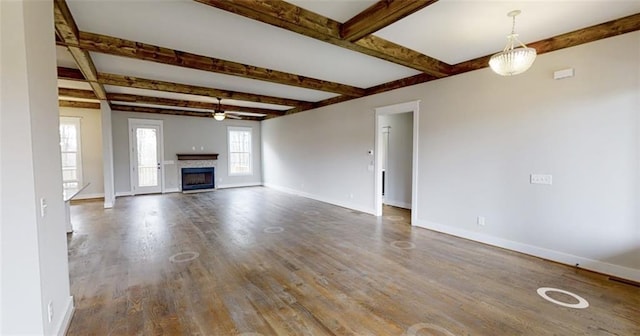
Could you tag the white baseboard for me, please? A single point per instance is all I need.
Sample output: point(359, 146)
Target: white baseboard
point(321, 198)
point(66, 320)
point(557, 256)
point(171, 190)
point(82, 196)
point(124, 193)
point(398, 204)
point(239, 185)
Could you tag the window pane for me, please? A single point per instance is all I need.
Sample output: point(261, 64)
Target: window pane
point(241, 163)
point(240, 151)
point(147, 157)
point(68, 138)
point(69, 160)
point(147, 176)
point(69, 175)
point(70, 185)
point(147, 153)
point(70, 151)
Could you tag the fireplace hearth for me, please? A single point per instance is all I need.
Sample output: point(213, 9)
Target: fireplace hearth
point(198, 178)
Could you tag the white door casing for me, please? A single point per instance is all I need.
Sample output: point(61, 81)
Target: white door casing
point(146, 150)
point(414, 108)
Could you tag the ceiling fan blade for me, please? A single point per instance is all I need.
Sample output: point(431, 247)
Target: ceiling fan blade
point(231, 116)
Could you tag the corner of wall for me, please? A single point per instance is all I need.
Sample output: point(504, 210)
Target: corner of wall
point(63, 326)
point(368, 210)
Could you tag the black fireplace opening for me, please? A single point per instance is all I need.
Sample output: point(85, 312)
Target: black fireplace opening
point(198, 178)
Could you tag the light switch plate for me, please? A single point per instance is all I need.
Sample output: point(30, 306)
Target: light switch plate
point(50, 311)
point(43, 207)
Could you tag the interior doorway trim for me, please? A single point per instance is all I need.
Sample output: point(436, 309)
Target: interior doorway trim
point(414, 108)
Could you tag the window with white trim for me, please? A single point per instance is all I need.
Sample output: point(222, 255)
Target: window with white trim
point(70, 147)
point(239, 140)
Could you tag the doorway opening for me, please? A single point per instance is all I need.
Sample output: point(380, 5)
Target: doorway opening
point(396, 159)
point(146, 156)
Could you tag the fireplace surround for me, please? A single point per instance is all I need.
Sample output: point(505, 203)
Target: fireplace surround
point(200, 171)
point(198, 178)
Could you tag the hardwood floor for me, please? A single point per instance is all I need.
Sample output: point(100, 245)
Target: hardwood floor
point(255, 261)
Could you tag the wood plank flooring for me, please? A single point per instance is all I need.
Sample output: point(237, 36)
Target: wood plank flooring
point(255, 261)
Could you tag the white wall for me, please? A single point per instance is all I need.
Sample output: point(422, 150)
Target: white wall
point(322, 154)
point(91, 140)
point(480, 136)
point(400, 152)
point(34, 247)
point(181, 134)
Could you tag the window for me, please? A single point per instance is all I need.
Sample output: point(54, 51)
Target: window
point(240, 151)
point(71, 152)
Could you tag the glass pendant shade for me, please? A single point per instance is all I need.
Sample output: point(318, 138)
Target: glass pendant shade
point(218, 115)
point(511, 60)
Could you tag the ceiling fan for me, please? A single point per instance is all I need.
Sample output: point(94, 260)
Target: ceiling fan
point(219, 114)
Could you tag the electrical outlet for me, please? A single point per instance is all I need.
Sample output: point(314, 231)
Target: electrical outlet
point(50, 311)
point(541, 179)
point(481, 220)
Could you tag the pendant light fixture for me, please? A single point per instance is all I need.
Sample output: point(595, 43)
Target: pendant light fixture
point(516, 57)
point(218, 113)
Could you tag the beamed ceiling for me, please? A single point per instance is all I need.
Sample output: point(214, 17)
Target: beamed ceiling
point(267, 59)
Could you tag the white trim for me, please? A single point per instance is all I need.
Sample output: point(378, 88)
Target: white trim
point(557, 256)
point(63, 326)
point(124, 193)
point(171, 190)
point(320, 198)
point(239, 185)
point(133, 122)
point(414, 108)
point(240, 129)
point(82, 196)
point(398, 204)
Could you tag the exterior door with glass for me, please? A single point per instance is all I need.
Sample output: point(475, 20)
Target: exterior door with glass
point(146, 156)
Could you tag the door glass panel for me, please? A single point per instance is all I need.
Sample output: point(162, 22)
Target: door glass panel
point(147, 157)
